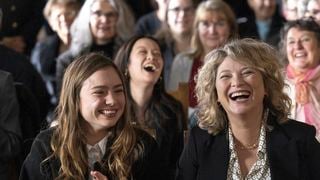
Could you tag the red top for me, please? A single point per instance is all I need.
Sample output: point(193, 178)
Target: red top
point(197, 64)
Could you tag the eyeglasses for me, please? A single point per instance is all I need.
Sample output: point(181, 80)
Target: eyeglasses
point(206, 24)
point(186, 10)
point(108, 15)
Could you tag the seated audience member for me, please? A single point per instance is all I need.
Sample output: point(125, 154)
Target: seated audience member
point(214, 25)
point(313, 10)
point(290, 9)
point(301, 48)
point(175, 33)
point(101, 26)
point(150, 23)
point(60, 15)
point(244, 131)
point(93, 138)
point(153, 110)
point(266, 23)
point(10, 132)
point(23, 72)
point(22, 20)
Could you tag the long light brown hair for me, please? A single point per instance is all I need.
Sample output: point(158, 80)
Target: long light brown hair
point(69, 139)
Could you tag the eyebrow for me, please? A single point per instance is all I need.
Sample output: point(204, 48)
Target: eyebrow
point(103, 87)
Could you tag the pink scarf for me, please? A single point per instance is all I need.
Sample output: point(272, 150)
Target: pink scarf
point(304, 90)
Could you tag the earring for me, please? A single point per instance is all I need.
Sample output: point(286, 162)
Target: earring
point(126, 73)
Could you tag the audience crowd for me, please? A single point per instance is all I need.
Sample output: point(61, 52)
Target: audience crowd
point(171, 74)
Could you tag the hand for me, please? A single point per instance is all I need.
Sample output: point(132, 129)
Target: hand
point(15, 42)
point(96, 175)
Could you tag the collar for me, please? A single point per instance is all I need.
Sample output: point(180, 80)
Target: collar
point(102, 144)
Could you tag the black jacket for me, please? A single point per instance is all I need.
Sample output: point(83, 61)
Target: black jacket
point(292, 150)
point(23, 71)
point(146, 167)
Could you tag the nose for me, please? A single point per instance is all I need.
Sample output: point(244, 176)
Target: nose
point(237, 81)
point(150, 56)
point(298, 45)
point(268, 3)
point(110, 99)
point(212, 28)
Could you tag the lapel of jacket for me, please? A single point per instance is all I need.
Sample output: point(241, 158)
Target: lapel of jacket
point(216, 159)
point(282, 152)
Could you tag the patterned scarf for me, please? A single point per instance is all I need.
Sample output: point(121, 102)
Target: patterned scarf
point(306, 93)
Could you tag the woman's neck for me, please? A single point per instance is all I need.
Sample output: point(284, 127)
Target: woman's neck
point(182, 43)
point(94, 136)
point(246, 128)
point(141, 95)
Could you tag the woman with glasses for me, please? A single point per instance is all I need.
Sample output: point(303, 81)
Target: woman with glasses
point(176, 31)
point(60, 14)
point(101, 26)
point(214, 25)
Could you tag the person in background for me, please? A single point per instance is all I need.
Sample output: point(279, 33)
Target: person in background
point(60, 14)
point(175, 33)
point(301, 50)
point(214, 25)
point(313, 10)
point(266, 23)
point(10, 130)
point(153, 110)
point(150, 23)
point(101, 26)
point(93, 138)
point(290, 9)
point(21, 23)
point(244, 131)
point(22, 71)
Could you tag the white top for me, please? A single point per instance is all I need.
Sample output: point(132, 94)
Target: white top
point(260, 169)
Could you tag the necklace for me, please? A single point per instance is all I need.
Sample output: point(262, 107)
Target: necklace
point(248, 146)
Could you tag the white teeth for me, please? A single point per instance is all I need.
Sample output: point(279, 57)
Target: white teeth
point(242, 93)
point(300, 55)
point(109, 112)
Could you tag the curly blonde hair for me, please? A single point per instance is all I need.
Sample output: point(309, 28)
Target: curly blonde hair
point(69, 140)
point(260, 56)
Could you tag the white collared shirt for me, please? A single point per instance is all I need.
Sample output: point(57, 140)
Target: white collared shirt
point(260, 169)
point(102, 145)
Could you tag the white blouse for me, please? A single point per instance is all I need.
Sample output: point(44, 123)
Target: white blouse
point(260, 169)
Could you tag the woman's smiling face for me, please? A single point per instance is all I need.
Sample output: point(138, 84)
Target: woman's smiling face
point(240, 88)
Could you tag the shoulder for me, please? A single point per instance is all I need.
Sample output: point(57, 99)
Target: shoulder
point(184, 56)
point(149, 18)
point(144, 138)
point(298, 130)
point(45, 136)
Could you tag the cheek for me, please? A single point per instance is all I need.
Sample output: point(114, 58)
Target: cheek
point(225, 32)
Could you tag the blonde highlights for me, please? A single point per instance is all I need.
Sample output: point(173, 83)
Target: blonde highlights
point(69, 140)
point(258, 55)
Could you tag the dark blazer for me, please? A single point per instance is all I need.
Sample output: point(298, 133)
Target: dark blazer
point(293, 153)
point(23, 71)
point(43, 58)
point(10, 132)
point(146, 167)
